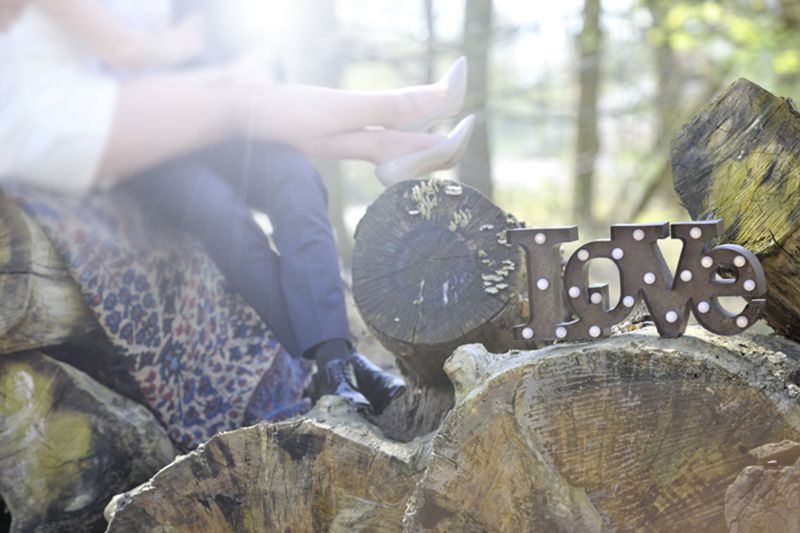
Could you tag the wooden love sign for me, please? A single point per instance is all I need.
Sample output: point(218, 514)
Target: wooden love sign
point(644, 274)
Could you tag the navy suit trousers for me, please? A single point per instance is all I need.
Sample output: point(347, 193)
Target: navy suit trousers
point(297, 291)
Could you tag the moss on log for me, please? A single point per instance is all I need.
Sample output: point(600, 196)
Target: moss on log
point(67, 445)
point(40, 304)
point(739, 160)
point(432, 270)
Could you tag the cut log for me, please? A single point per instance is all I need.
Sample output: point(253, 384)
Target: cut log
point(432, 270)
point(633, 433)
point(68, 444)
point(629, 433)
point(738, 160)
point(40, 304)
point(331, 472)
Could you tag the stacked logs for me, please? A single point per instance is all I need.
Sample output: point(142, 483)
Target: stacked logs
point(633, 432)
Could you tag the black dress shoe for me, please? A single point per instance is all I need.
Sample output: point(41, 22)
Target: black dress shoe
point(337, 378)
point(378, 386)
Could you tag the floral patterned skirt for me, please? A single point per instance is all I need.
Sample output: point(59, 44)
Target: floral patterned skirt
point(202, 358)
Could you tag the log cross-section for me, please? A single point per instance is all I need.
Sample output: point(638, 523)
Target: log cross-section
point(432, 269)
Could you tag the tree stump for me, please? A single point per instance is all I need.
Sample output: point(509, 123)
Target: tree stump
point(628, 433)
point(432, 270)
point(328, 472)
point(738, 160)
point(40, 304)
point(68, 444)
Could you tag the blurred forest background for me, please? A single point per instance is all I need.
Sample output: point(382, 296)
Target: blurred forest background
point(577, 100)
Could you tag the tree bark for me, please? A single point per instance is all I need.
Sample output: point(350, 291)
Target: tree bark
point(475, 168)
point(587, 146)
point(40, 304)
point(68, 444)
point(432, 270)
point(738, 160)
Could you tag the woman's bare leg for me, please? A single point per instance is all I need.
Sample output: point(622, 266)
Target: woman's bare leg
point(296, 113)
point(162, 117)
point(165, 116)
point(374, 145)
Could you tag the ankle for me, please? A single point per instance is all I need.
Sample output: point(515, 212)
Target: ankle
point(329, 350)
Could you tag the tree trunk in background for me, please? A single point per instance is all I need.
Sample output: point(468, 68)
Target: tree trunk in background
point(321, 61)
point(588, 144)
point(476, 166)
point(430, 51)
point(669, 115)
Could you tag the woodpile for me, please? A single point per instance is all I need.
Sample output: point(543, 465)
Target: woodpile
point(632, 432)
point(629, 433)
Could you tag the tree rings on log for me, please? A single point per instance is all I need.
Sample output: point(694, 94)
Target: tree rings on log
point(330, 472)
point(432, 269)
point(633, 433)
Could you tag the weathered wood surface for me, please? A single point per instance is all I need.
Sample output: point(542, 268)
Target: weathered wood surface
point(766, 496)
point(739, 160)
point(331, 471)
point(629, 433)
point(432, 270)
point(68, 444)
point(40, 304)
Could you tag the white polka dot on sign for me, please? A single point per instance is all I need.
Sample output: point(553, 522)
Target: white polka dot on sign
point(749, 285)
point(638, 235)
point(542, 284)
point(583, 255)
point(595, 331)
point(704, 307)
point(707, 262)
point(617, 253)
point(686, 275)
point(739, 261)
point(527, 333)
point(596, 298)
point(540, 238)
point(649, 278)
point(671, 316)
point(695, 233)
point(561, 332)
point(742, 321)
point(574, 292)
point(628, 301)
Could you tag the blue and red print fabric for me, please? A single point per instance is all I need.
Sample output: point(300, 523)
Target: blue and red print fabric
point(194, 347)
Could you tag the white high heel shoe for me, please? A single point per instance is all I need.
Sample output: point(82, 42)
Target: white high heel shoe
point(456, 81)
point(440, 156)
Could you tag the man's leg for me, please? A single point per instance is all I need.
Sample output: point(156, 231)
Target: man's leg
point(195, 198)
point(278, 180)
